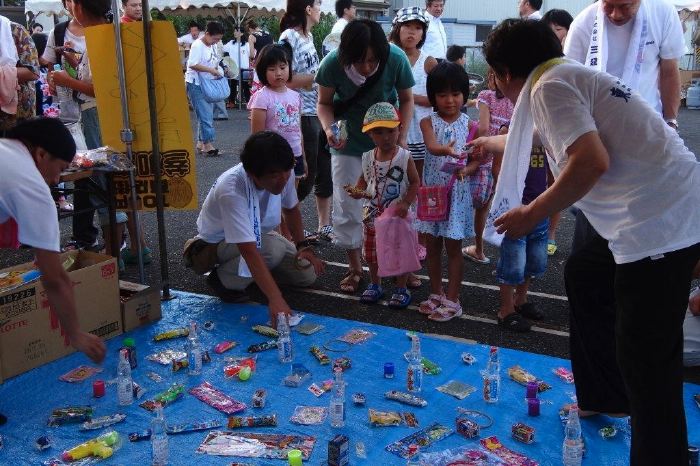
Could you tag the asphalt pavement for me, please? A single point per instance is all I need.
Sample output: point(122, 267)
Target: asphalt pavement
point(479, 295)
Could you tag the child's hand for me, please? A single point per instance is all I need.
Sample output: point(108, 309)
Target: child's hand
point(355, 192)
point(401, 209)
point(452, 151)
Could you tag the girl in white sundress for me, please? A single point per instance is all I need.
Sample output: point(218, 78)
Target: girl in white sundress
point(445, 133)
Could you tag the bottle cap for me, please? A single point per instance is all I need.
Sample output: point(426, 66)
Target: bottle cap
point(98, 388)
point(129, 342)
point(388, 369)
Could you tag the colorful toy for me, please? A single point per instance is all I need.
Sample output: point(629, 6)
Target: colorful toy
point(79, 374)
point(565, 374)
point(70, 415)
point(384, 418)
point(406, 398)
point(424, 437)
point(320, 355)
point(523, 433)
point(466, 427)
point(264, 346)
point(495, 447)
point(100, 446)
point(235, 422)
point(224, 346)
point(172, 394)
point(217, 399)
point(266, 331)
point(174, 333)
point(259, 398)
point(102, 421)
point(518, 374)
point(343, 363)
point(468, 358)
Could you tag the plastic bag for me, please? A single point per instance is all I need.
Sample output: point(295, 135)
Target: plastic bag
point(397, 244)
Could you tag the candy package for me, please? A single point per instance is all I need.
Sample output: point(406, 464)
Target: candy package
point(172, 394)
point(70, 415)
point(217, 399)
point(518, 374)
point(457, 389)
point(256, 445)
point(565, 374)
point(356, 336)
point(103, 157)
point(320, 355)
point(343, 363)
point(167, 357)
point(236, 422)
point(507, 456)
point(259, 398)
point(264, 346)
point(405, 398)
point(309, 415)
point(224, 346)
point(308, 328)
point(384, 418)
point(102, 421)
point(79, 374)
point(192, 427)
point(266, 331)
point(170, 334)
point(424, 437)
point(318, 391)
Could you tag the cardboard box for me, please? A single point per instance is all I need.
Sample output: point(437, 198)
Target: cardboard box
point(140, 304)
point(30, 333)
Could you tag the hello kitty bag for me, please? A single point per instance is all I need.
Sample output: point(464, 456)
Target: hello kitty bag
point(434, 202)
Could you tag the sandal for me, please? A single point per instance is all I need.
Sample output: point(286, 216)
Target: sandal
point(351, 281)
point(448, 310)
point(213, 153)
point(413, 282)
point(372, 294)
point(311, 237)
point(470, 253)
point(325, 233)
point(400, 299)
point(529, 311)
point(515, 322)
point(429, 305)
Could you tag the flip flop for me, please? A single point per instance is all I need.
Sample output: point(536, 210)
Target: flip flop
point(469, 253)
point(325, 233)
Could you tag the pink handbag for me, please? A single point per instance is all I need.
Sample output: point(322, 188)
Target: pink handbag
point(397, 244)
point(434, 202)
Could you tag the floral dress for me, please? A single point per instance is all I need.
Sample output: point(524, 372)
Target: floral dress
point(26, 95)
point(460, 223)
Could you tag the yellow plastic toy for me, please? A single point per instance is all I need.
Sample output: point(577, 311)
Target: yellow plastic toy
point(100, 446)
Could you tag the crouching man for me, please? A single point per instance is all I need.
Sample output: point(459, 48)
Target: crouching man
point(236, 237)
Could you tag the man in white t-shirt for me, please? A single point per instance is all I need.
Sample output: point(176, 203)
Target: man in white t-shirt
point(435, 40)
point(240, 216)
point(194, 34)
point(32, 158)
point(530, 9)
point(639, 186)
point(346, 11)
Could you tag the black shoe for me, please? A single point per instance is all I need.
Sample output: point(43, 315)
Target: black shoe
point(529, 311)
point(515, 323)
point(221, 119)
point(3, 419)
point(226, 295)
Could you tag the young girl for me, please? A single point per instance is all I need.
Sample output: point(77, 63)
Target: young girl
point(495, 111)
point(389, 177)
point(445, 133)
point(275, 107)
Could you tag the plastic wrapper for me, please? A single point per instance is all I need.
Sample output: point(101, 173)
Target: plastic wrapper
point(172, 394)
point(356, 336)
point(564, 374)
point(457, 389)
point(256, 445)
point(523, 433)
point(308, 328)
point(343, 363)
point(506, 455)
point(266, 331)
point(409, 419)
point(359, 398)
point(224, 346)
point(154, 377)
point(468, 359)
point(520, 375)
point(462, 456)
point(264, 346)
point(70, 415)
point(79, 374)
point(102, 421)
point(384, 418)
point(309, 415)
point(237, 364)
point(326, 385)
point(259, 398)
point(424, 437)
point(42, 443)
point(101, 447)
point(406, 398)
point(298, 376)
point(217, 399)
point(175, 429)
point(236, 422)
point(318, 353)
point(173, 333)
point(167, 357)
point(102, 157)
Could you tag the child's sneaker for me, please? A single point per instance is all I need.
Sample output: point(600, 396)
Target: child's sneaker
point(448, 310)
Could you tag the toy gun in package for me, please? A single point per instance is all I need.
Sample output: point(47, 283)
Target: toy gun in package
point(102, 446)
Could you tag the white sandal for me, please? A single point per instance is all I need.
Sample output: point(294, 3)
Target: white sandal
point(433, 302)
point(448, 310)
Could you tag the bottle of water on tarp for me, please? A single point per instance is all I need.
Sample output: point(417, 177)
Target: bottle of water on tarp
point(194, 351)
point(572, 452)
point(125, 385)
point(492, 377)
point(284, 342)
point(414, 374)
point(337, 407)
point(159, 439)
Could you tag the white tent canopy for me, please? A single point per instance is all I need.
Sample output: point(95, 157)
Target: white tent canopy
point(689, 4)
point(56, 7)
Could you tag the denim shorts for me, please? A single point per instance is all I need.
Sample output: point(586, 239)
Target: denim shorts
point(523, 257)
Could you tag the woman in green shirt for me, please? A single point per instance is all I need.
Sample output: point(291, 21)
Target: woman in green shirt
point(365, 69)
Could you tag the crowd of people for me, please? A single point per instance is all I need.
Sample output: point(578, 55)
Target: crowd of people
point(577, 111)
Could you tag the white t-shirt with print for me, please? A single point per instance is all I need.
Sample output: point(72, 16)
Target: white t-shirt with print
point(304, 61)
point(664, 41)
point(25, 197)
point(78, 44)
point(201, 54)
point(225, 213)
point(647, 202)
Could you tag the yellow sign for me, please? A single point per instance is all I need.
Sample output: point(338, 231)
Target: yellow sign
point(174, 130)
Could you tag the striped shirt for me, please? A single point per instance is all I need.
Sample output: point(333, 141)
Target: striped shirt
point(304, 61)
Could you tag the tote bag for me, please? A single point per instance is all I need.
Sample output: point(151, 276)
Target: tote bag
point(397, 244)
point(434, 202)
point(214, 90)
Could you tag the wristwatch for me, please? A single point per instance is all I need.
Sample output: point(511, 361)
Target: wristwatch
point(672, 122)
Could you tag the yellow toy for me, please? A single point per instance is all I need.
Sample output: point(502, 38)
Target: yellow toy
point(100, 446)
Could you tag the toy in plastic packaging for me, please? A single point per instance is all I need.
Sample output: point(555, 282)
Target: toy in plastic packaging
point(79, 374)
point(259, 398)
point(102, 157)
point(361, 450)
point(167, 357)
point(326, 385)
point(424, 438)
point(461, 456)
point(564, 374)
point(518, 374)
point(169, 396)
point(42, 443)
point(173, 333)
point(384, 418)
point(70, 415)
point(356, 336)
point(102, 447)
point(154, 377)
point(237, 364)
point(406, 398)
point(224, 346)
point(457, 389)
point(264, 346)
point(266, 331)
point(409, 419)
point(318, 353)
point(467, 428)
point(468, 359)
point(256, 445)
point(309, 415)
point(236, 422)
point(175, 429)
point(343, 363)
point(308, 328)
point(507, 456)
point(217, 399)
point(299, 374)
point(429, 367)
point(359, 398)
point(523, 433)
point(607, 432)
point(102, 421)
point(184, 363)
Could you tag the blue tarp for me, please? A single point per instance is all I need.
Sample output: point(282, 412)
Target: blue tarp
point(28, 399)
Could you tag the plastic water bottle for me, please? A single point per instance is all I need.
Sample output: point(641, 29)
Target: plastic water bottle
point(492, 377)
point(159, 439)
point(194, 351)
point(67, 104)
point(572, 452)
point(337, 407)
point(414, 374)
point(284, 342)
point(125, 385)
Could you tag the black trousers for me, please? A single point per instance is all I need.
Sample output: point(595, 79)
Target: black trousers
point(627, 342)
point(318, 160)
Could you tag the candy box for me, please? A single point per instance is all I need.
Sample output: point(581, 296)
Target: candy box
point(338, 451)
